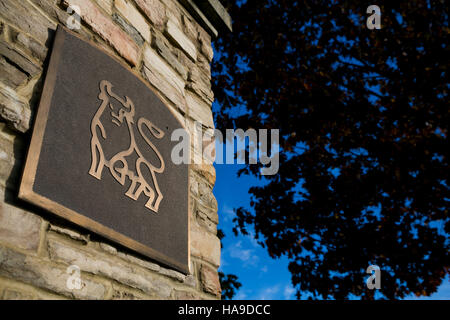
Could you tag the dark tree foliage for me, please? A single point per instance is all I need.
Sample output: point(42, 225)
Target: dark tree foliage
point(228, 282)
point(363, 118)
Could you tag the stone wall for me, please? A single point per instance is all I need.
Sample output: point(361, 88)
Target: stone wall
point(157, 39)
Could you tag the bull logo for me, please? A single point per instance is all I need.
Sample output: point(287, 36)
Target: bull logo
point(118, 164)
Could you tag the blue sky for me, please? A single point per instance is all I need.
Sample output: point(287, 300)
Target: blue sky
point(262, 277)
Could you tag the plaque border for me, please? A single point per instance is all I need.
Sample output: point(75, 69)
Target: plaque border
point(27, 193)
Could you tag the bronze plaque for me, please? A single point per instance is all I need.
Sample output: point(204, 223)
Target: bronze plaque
point(100, 154)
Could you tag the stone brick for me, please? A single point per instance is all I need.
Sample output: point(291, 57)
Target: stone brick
point(18, 227)
point(191, 281)
point(106, 5)
point(164, 78)
point(55, 13)
point(189, 28)
point(183, 58)
point(153, 61)
point(165, 87)
point(104, 26)
point(205, 66)
point(204, 245)
point(154, 10)
point(199, 110)
point(193, 184)
point(7, 159)
point(173, 274)
point(129, 12)
point(70, 233)
point(10, 75)
point(12, 294)
point(207, 217)
point(164, 51)
point(25, 17)
point(173, 12)
point(205, 44)
point(206, 196)
point(120, 293)
point(19, 59)
point(156, 268)
point(42, 274)
point(14, 110)
point(98, 264)
point(205, 222)
point(11, 162)
point(140, 262)
point(186, 295)
point(107, 248)
point(200, 85)
point(36, 49)
point(207, 171)
point(177, 35)
point(129, 29)
point(210, 280)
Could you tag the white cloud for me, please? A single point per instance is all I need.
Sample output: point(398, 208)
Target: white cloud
point(246, 255)
point(228, 213)
point(269, 293)
point(241, 295)
point(288, 292)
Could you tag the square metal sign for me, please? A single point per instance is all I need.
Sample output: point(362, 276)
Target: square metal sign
point(100, 154)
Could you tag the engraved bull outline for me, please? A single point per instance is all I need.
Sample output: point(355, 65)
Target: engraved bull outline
point(138, 183)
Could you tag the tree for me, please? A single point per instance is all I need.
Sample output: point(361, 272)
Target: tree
point(363, 118)
point(228, 282)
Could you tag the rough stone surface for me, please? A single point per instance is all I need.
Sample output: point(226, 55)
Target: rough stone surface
point(200, 85)
point(162, 43)
point(153, 61)
point(19, 59)
point(206, 170)
point(164, 78)
point(14, 109)
point(154, 10)
point(186, 295)
point(189, 28)
point(164, 51)
point(120, 293)
point(205, 245)
point(42, 274)
point(25, 17)
point(174, 32)
point(206, 197)
point(106, 5)
point(36, 49)
point(210, 280)
point(130, 13)
point(70, 233)
point(11, 294)
point(129, 29)
point(18, 227)
point(205, 44)
point(199, 110)
point(110, 32)
point(10, 75)
point(207, 218)
point(105, 266)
